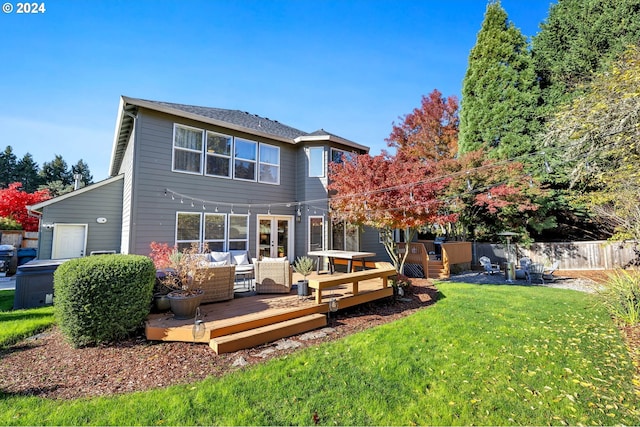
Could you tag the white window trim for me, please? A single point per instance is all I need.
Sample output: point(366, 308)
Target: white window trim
point(232, 157)
point(200, 232)
point(255, 162)
point(229, 157)
point(174, 148)
point(309, 232)
point(343, 153)
point(322, 162)
point(260, 162)
point(246, 239)
point(225, 230)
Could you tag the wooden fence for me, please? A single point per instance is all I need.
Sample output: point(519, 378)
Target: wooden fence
point(595, 255)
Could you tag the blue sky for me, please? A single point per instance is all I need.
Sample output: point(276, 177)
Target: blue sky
point(351, 67)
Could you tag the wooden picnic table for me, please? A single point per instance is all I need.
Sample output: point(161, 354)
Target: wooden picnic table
point(332, 254)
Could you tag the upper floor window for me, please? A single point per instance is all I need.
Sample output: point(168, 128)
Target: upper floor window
point(316, 162)
point(339, 156)
point(245, 163)
point(269, 164)
point(223, 156)
point(187, 149)
point(218, 160)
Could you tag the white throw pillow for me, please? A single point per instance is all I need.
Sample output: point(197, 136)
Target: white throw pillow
point(266, 258)
point(220, 256)
point(240, 259)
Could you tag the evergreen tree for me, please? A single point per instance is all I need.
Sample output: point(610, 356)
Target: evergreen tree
point(56, 170)
point(27, 173)
point(500, 92)
point(578, 38)
point(7, 167)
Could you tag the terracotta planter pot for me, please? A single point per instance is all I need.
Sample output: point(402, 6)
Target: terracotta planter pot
point(184, 306)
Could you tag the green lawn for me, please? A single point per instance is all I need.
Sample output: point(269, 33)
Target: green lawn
point(19, 324)
point(485, 355)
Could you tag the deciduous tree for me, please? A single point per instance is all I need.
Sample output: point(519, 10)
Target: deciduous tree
point(13, 203)
point(598, 139)
point(388, 193)
point(429, 132)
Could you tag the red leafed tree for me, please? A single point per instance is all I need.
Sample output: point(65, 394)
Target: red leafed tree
point(429, 132)
point(492, 196)
point(388, 192)
point(14, 202)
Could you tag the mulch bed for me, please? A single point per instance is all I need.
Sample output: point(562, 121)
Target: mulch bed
point(47, 366)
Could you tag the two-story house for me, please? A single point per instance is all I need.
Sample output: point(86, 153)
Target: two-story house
point(183, 174)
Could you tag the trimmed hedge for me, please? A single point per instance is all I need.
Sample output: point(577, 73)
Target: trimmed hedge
point(102, 298)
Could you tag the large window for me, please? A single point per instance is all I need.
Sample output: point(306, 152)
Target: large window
point(316, 162)
point(269, 164)
point(221, 232)
point(215, 227)
point(187, 229)
point(316, 233)
point(345, 236)
point(245, 163)
point(187, 149)
point(340, 156)
point(238, 232)
point(218, 160)
point(215, 154)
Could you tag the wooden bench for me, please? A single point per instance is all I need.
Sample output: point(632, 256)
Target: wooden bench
point(383, 270)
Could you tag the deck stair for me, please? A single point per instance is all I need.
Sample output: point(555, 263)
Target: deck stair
point(262, 335)
point(437, 270)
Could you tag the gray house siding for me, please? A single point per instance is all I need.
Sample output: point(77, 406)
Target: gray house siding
point(154, 214)
point(127, 171)
point(84, 208)
point(310, 188)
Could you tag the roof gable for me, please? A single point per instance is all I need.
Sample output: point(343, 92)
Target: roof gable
point(241, 121)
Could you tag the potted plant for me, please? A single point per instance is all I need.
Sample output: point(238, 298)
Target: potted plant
point(185, 295)
point(303, 265)
point(401, 284)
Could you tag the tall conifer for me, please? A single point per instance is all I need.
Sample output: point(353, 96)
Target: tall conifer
point(500, 91)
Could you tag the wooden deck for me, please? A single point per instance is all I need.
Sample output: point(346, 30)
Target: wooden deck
point(248, 321)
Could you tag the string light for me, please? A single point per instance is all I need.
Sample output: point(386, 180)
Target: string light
point(409, 186)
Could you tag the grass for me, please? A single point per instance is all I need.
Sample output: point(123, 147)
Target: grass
point(484, 355)
point(19, 324)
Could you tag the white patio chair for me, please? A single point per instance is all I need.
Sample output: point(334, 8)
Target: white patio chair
point(547, 274)
point(535, 273)
point(489, 268)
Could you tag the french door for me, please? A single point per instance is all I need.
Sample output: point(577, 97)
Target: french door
point(275, 236)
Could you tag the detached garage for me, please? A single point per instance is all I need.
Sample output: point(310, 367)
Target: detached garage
point(85, 221)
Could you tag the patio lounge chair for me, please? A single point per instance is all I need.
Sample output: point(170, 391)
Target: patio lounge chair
point(535, 273)
point(547, 274)
point(216, 282)
point(489, 268)
point(273, 276)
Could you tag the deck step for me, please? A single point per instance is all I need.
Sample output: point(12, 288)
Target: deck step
point(265, 334)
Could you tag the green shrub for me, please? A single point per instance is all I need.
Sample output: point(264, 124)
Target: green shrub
point(621, 296)
point(102, 298)
point(8, 223)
